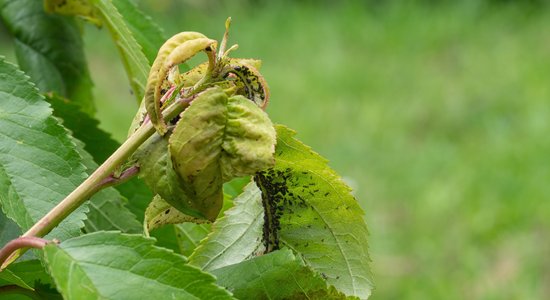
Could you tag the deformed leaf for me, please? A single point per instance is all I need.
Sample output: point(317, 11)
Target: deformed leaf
point(39, 163)
point(234, 237)
point(156, 171)
point(249, 81)
point(174, 51)
point(112, 265)
point(311, 210)
point(217, 139)
point(277, 275)
point(49, 49)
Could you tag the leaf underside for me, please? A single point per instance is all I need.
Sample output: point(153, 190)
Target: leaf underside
point(236, 236)
point(217, 139)
point(111, 265)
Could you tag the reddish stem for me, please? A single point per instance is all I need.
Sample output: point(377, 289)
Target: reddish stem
point(22, 242)
point(123, 177)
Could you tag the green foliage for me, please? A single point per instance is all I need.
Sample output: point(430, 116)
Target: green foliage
point(107, 207)
point(7, 276)
point(118, 266)
point(217, 139)
point(236, 236)
point(49, 49)
point(189, 236)
point(84, 128)
point(277, 275)
point(311, 210)
point(100, 145)
point(39, 163)
point(293, 232)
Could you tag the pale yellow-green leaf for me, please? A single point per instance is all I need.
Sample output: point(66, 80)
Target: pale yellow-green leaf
point(81, 8)
point(176, 49)
point(219, 138)
point(156, 171)
point(160, 212)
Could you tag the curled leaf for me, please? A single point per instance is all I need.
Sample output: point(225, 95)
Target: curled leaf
point(156, 171)
point(219, 138)
point(175, 50)
point(249, 82)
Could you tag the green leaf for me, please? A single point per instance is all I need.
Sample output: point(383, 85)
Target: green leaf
point(85, 128)
point(147, 33)
point(8, 230)
point(133, 58)
point(189, 235)
point(167, 238)
point(236, 236)
point(317, 215)
point(39, 163)
point(49, 49)
point(111, 265)
point(217, 139)
point(135, 62)
point(8, 277)
point(34, 276)
point(277, 275)
point(138, 196)
point(236, 186)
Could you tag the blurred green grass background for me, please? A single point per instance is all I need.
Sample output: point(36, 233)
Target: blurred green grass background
point(437, 114)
